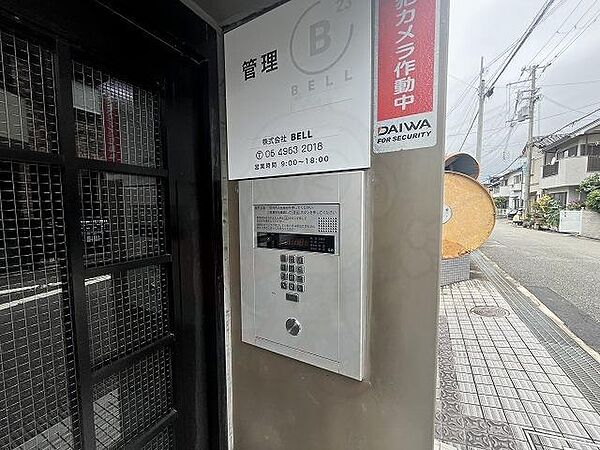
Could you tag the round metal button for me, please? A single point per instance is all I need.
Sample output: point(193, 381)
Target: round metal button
point(293, 326)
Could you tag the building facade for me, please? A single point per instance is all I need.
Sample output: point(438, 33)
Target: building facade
point(566, 162)
point(509, 186)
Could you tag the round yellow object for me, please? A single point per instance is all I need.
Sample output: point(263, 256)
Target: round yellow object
point(469, 215)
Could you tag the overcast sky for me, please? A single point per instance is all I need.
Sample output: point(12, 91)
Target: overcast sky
point(488, 28)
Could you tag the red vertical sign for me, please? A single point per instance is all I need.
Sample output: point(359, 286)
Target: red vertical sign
point(406, 56)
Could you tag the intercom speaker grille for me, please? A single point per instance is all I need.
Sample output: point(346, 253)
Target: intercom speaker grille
point(328, 225)
point(126, 311)
point(38, 396)
point(28, 118)
point(115, 121)
point(132, 401)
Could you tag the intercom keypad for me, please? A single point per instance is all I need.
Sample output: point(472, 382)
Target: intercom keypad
point(292, 281)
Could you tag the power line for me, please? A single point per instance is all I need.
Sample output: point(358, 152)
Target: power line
point(586, 27)
point(574, 83)
point(522, 41)
point(510, 165)
point(575, 121)
point(468, 132)
point(556, 32)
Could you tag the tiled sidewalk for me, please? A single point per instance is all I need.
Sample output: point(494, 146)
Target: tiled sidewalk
point(498, 386)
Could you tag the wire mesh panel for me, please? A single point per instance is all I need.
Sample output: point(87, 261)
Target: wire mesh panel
point(162, 441)
point(128, 403)
point(37, 373)
point(123, 217)
point(27, 96)
point(115, 121)
point(126, 311)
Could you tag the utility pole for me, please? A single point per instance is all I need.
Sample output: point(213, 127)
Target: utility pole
point(529, 152)
point(481, 92)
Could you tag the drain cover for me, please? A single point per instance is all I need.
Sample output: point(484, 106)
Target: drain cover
point(489, 311)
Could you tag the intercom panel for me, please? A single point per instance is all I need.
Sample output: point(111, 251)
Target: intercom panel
point(303, 248)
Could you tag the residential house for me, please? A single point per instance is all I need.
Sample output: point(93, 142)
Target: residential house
point(569, 160)
point(537, 161)
point(508, 185)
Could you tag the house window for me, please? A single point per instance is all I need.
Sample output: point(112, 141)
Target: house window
point(571, 152)
point(591, 150)
point(560, 197)
point(518, 179)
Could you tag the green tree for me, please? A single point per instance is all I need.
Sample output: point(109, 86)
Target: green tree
point(501, 202)
point(592, 202)
point(590, 184)
point(546, 212)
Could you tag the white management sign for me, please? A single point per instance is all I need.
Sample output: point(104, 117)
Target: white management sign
point(299, 93)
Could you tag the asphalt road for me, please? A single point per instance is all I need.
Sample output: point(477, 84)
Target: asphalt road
point(562, 271)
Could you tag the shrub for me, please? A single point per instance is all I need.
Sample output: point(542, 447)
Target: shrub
point(575, 205)
point(592, 202)
point(501, 202)
point(546, 212)
point(590, 184)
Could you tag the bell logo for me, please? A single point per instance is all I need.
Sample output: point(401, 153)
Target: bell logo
point(321, 36)
point(320, 40)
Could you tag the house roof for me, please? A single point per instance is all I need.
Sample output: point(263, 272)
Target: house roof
point(495, 178)
point(590, 127)
point(542, 142)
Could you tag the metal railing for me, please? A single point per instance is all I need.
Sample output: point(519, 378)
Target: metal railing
point(550, 170)
point(593, 164)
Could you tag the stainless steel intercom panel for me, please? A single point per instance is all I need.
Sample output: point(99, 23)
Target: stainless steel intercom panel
point(303, 267)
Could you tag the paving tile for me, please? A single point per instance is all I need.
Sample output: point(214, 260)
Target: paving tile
point(571, 428)
point(494, 414)
point(593, 431)
point(587, 417)
point(506, 391)
point(552, 398)
point(501, 443)
point(503, 381)
point(540, 422)
point(529, 395)
point(548, 388)
point(518, 418)
point(450, 434)
point(470, 398)
point(568, 390)
point(513, 404)
point(482, 379)
point(560, 379)
point(478, 439)
point(490, 400)
point(562, 412)
point(519, 374)
point(578, 403)
point(498, 372)
point(467, 387)
point(523, 384)
point(472, 410)
point(535, 408)
point(539, 376)
point(485, 389)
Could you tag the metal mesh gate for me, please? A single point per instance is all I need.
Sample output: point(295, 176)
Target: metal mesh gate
point(85, 295)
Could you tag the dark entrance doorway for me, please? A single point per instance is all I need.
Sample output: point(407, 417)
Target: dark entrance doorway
point(109, 233)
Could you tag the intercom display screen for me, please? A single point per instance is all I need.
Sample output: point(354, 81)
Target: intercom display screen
point(296, 242)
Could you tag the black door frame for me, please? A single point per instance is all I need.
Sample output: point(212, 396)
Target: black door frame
point(123, 35)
